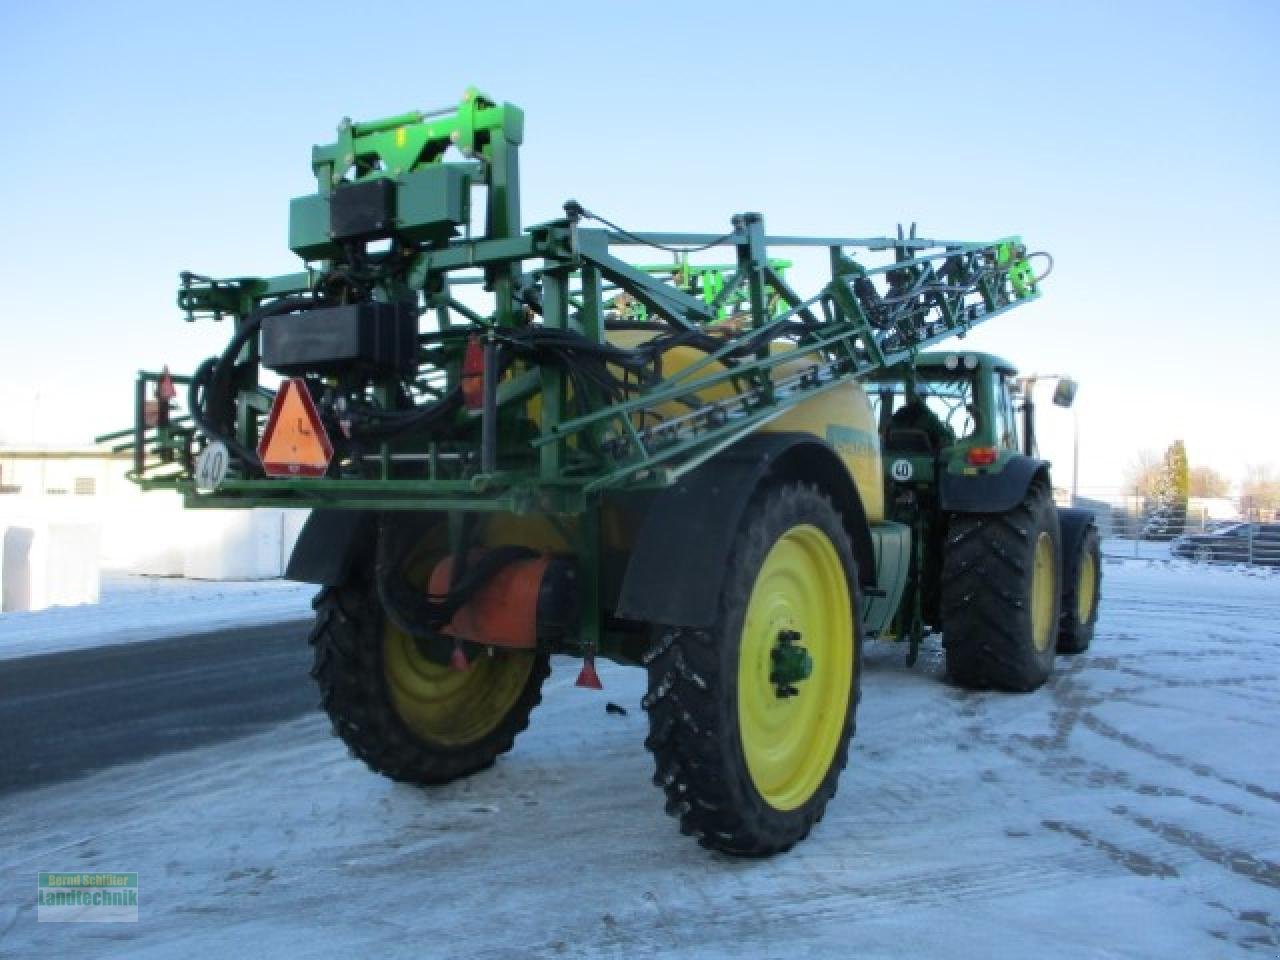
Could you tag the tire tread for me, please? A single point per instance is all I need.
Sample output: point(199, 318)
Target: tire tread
point(692, 699)
point(348, 669)
point(986, 589)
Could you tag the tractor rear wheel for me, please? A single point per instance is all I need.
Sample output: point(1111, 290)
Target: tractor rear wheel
point(1080, 595)
point(1000, 595)
point(750, 718)
point(407, 716)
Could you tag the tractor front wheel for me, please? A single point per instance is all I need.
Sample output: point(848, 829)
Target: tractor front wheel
point(750, 718)
point(1000, 594)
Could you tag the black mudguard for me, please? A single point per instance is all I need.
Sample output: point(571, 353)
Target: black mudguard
point(330, 541)
point(991, 492)
point(682, 550)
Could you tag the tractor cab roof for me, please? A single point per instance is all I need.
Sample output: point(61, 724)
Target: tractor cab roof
point(946, 361)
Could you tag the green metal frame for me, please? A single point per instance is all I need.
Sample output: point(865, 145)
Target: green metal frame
point(614, 445)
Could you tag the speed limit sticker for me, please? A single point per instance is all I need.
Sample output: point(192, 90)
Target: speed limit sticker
point(211, 467)
point(902, 470)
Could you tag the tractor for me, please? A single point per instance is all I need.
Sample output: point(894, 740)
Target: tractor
point(518, 442)
point(958, 443)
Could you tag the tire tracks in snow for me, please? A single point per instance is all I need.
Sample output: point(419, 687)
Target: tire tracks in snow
point(1244, 864)
point(1050, 756)
point(750, 920)
point(1134, 861)
point(1104, 729)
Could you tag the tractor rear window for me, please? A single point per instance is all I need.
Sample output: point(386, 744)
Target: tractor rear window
point(949, 398)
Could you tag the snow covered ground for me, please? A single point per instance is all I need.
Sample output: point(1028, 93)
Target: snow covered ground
point(144, 608)
point(1130, 809)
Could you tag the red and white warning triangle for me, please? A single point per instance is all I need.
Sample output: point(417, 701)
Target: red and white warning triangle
point(294, 443)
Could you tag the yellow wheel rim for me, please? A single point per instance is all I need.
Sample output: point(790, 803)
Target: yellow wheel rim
point(440, 705)
point(789, 742)
point(446, 706)
point(1085, 589)
point(1042, 586)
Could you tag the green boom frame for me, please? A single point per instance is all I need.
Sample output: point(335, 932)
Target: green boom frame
point(861, 320)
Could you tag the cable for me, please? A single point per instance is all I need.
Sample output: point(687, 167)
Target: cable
point(421, 614)
point(576, 210)
point(1048, 269)
point(893, 299)
point(196, 393)
point(386, 424)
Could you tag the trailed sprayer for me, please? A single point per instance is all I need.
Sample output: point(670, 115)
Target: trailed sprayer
point(518, 441)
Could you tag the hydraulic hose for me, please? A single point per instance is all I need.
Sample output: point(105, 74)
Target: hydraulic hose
point(207, 396)
point(386, 424)
point(420, 614)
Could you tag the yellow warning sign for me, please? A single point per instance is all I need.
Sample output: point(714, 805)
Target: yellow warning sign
point(295, 443)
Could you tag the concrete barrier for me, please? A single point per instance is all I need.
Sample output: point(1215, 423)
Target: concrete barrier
point(149, 534)
point(15, 589)
point(233, 544)
point(145, 534)
point(49, 564)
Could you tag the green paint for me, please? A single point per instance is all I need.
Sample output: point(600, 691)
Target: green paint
point(791, 663)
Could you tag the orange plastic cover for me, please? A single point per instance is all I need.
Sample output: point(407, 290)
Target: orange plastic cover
point(502, 613)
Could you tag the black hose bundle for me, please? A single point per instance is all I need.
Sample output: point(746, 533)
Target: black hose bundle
point(421, 614)
point(376, 423)
point(209, 396)
point(586, 362)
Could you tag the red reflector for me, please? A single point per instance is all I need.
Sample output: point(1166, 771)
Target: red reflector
point(165, 390)
point(982, 456)
point(473, 374)
point(588, 677)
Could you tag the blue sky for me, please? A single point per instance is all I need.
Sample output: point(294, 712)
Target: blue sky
point(1137, 142)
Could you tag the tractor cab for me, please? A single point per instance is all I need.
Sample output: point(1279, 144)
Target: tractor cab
point(952, 410)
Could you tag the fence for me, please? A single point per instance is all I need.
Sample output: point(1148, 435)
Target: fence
point(1207, 531)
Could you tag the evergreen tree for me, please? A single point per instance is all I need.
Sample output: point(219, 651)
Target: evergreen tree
point(1174, 485)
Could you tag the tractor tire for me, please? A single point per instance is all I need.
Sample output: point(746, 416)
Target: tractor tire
point(1080, 595)
point(747, 760)
point(1000, 595)
point(409, 718)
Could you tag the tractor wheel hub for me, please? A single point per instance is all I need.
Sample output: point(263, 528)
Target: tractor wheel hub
point(791, 663)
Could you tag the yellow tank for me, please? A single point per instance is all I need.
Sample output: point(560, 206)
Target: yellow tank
point(841, 416)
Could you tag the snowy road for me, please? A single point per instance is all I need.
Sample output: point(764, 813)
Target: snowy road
point(70, 714)
point(1131, 809)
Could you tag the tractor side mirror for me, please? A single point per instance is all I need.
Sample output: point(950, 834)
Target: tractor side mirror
point(1064, 394)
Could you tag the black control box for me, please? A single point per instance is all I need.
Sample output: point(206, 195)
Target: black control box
point(363, 211)
point(373, 338)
